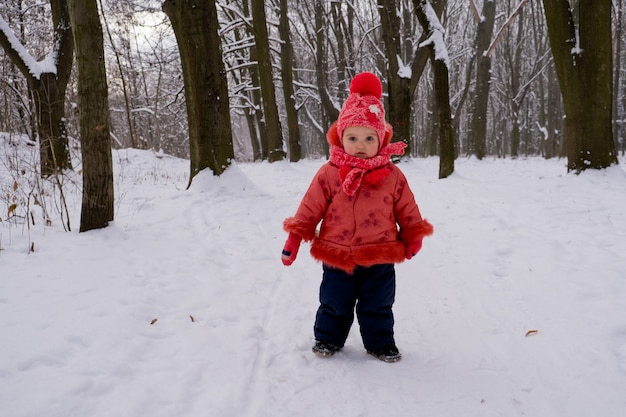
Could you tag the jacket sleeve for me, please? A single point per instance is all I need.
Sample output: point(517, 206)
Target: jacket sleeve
point(312, 207)
point(412, 226)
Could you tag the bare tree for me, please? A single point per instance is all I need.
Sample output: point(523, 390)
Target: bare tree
point(429, 19)
point(132, 134)
point(97, 206)
point(583, 58)
point(398, 81)
point(195, 25)
point(48, 85)
point(275, 150)
point(525, 60)
point(240, 60)
point(618, 125)
point(330, 109)
point(286, 66)
point(478, 130)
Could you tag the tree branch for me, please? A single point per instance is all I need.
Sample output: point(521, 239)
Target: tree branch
point(505, 27)
point(475, 10)
point(16, 52)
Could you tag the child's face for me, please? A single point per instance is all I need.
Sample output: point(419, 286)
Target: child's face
point(360, 141)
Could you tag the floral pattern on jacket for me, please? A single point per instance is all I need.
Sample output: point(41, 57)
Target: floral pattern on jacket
point(371, 227)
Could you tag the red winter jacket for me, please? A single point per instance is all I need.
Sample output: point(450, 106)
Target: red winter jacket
point(371, 227)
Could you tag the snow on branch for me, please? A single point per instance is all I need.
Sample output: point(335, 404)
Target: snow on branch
point(576, 49)
point(404, 71)
point(21, 57)
point(436, 34)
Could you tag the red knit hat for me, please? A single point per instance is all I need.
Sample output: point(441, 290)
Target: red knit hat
point(362, 108)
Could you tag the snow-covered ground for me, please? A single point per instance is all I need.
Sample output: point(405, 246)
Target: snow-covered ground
point(516, 306)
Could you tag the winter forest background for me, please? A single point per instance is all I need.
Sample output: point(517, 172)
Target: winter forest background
point(110, 110)
point(288, 65)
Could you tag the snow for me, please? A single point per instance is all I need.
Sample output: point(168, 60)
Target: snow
point(543, 130)
point(576, 49)
point(404, 71)
point(519, 246)
point(35, 68)
point(437, 35)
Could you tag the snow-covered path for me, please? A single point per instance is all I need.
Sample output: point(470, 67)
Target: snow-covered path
point(519, 246)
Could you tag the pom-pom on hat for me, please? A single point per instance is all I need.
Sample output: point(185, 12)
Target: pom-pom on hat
point(362, 108)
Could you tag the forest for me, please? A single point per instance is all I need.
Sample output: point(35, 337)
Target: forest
point(503, 79)
point(184, 132)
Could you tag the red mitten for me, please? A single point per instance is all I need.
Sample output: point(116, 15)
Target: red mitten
point(290, 250)
point(413, 248)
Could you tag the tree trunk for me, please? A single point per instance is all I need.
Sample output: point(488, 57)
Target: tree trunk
point(49, 100)
point(268, 91)
point(554, 112)
point(258, 133)
point(329, 111)
point(97, 205)
point(516, 102)
point(459, 107)
point(584, 70)
point(195, 25)
point(447, 152)
point(260, 149)
point(478, 130)
point(344, 41)
point(286, 62)
point(48, 90)
point(619, 33)
point(400, 99)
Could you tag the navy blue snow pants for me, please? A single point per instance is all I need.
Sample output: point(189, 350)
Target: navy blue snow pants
point(371, 290)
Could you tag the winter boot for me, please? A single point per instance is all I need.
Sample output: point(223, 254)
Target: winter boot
point(324, 348)
point(386, 354)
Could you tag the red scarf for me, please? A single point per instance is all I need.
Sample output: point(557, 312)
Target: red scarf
point(353, 170)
